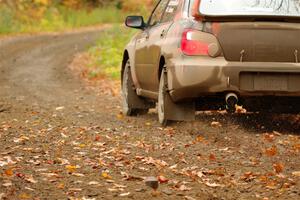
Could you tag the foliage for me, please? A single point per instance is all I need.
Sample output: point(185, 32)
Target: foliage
point(54, 15)
point(55, 19)
point(112, 42)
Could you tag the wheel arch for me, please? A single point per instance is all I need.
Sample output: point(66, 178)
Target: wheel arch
point(124, 61)
point(162, 62)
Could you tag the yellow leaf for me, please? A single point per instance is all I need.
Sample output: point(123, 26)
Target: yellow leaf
point(106, 175)
point(120, 116)
point(24, 196)
point(71, 168)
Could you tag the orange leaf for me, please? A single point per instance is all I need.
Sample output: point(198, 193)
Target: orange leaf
point(71, 168)
point(97, 138)
point(200, 139)
point(269, 137)
point(297, 147)
point(9, 172)
point(263, 179)
point(61, 186)
point(271, 151)
point(278, 167)
point(271, 184)
point(212, 157)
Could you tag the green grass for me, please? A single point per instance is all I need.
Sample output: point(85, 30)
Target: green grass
point(57, 19)
point(106, 56)
point(7, 22)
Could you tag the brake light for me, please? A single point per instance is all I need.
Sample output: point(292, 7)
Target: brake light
point(192, 47)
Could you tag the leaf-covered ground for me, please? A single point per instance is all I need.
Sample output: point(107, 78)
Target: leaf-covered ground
point(66, 139)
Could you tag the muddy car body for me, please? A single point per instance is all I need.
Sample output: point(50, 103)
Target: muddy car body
point(194, 55)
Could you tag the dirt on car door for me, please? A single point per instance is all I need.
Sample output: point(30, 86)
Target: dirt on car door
point(143, 56)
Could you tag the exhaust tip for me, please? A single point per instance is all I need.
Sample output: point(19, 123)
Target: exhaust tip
point(231, 101)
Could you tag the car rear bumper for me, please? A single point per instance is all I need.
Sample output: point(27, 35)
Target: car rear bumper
point(192, 77)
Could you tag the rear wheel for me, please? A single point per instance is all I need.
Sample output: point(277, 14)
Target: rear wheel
point(167, 109)
point(132, 104)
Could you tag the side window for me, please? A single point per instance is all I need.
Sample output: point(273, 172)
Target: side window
point(170, 11)
point(158, 12)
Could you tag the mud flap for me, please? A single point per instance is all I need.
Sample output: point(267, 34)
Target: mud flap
point(183, 111)
point(179, 111)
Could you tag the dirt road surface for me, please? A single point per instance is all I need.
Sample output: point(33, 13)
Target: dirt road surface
point(60, 140)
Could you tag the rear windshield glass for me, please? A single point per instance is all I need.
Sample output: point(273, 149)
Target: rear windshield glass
point(250, 7)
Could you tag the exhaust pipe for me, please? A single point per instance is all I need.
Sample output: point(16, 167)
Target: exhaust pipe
point(231, 101)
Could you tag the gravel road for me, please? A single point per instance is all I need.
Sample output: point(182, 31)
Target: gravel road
point(62, 140)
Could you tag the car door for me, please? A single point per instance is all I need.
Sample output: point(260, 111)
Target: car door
point(143, 57)
point(157, 37)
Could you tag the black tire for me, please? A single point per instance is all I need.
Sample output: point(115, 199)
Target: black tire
point(162, 93)
point(132, 104)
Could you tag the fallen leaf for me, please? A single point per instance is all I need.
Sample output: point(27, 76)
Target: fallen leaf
point(120, 116)
point(212, 184)
point(71, 168)
point(24, 196)
point(278, 167)
point(59, 108)
point(162, 179)
point(189, 198)
point(124, 194)
point(200, 174)
point(216, 124)
point(271, 184)
point(105, 175)
point(212, 157)
point(9, 172)
point(297, 173)
point(60, 186)
point(75, 189)
point(93, 183)
point(30, 179)
point(7, 184)
point(200, 139)
point(269, 137)
point(240, 109)
point(184, 188)
point(173, 166)
point(78, 174)
point(148, 124)
point(271, 151)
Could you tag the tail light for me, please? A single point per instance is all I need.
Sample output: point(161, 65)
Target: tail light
point(190, 46)
point(197, 43)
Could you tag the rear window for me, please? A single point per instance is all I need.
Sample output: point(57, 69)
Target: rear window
point(250, 7)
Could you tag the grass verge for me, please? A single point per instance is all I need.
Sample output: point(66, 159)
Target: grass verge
point(55, 19)
point(106, 56)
